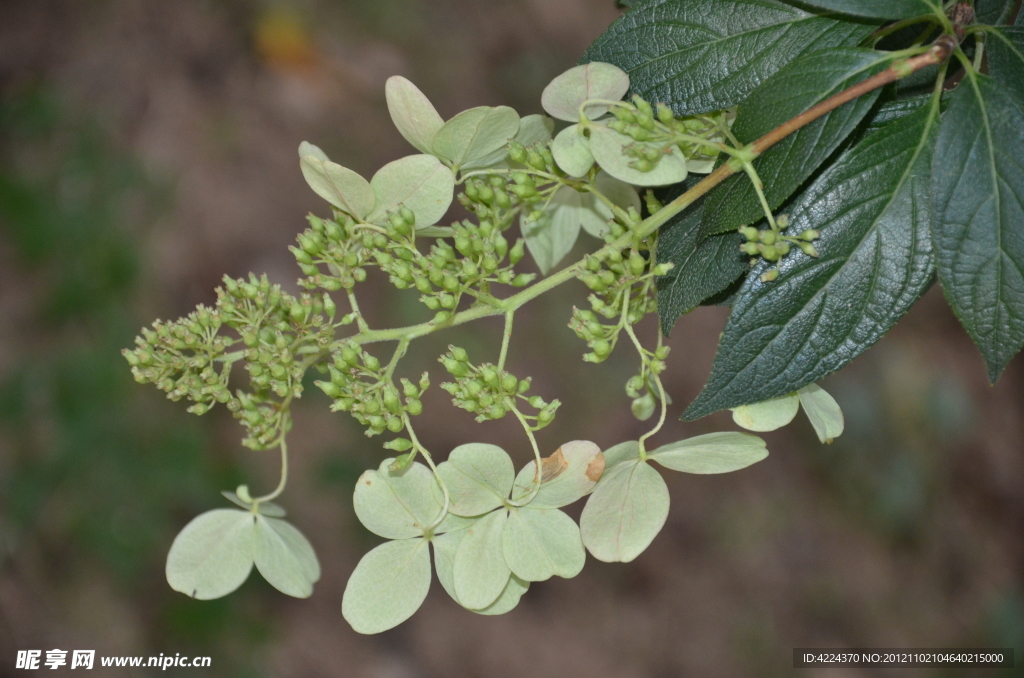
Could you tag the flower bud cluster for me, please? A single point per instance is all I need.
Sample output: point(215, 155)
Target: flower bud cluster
point(339, 245)
point(272, 325)
point(642, 388)
point(361, 387)
point(600, 338)
point(180, 358)
point(769, 244)
point(475, 258)
point(612, 274)
point(648, 124)
point(489, 392)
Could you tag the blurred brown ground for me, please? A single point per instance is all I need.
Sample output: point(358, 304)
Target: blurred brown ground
point(907, 532)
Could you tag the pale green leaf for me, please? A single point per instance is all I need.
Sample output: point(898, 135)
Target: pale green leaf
point(445, 548)
point(478, 477)
point(509, 598)
point(306, 148)
point(564, 95)
point(338, 185)
point(285, 557)
point(609, 149)
point(212, 556)
point(271, 510)
point(625, 512)
point(712, 453)
point(535, 129)
point(387, 586)
point(701, 164)
point(411, 111)
point(552, 236)
point(539, 543)
point(567, 475)
point(479, 571)
point(419, 182)
point(768, 415)
point(397, 505)
point(619, 192)
point(571, 150)
point(474, 134)
point(823, 411)
point(617, 454)
point(235, 499)
point(452, 522)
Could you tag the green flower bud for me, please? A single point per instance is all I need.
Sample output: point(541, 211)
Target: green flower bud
point(662, 269)
point(809, 249)
point(308, 244)
point(515, 255)
point(371, 362)
point(408, 216)
point(393, 423)
point(509, 383)
point(334, 232)
point(517, 152)
point(414, 407)
point(523, 279)
point(767, 237)
point(536, 160)
point(750, 248)
point(810, 234)
point(637, 263)
point(391, 401)
point(782, 247)
point(750, 233)
point(665, 114)
point(770, 275)
point(501, 199)
point(770, 253)
point(644, 406)
point(398, 444)
point(601, 348)
point(301, 256)
point(331, 389)
point(401, 462)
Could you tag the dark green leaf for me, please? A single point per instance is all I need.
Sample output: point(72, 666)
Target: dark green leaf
point(705, 55)
point(784, 167)
point(703, 266)
point(877, 9)
point(1006, 59)
point(993, 12)
point(978, 187)
point(873, 206)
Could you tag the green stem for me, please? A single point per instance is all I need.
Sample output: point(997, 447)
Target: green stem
point(505, 338)
point(418, 447)
point(284, 474)
point(537, 474)
point(403, 346)
point(759, 189)
point(360, 322)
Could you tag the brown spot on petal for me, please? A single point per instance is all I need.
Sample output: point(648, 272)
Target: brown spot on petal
point(595, 469)
point(553, 466)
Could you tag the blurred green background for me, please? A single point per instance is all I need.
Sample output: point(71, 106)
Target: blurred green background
point(147, 148)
